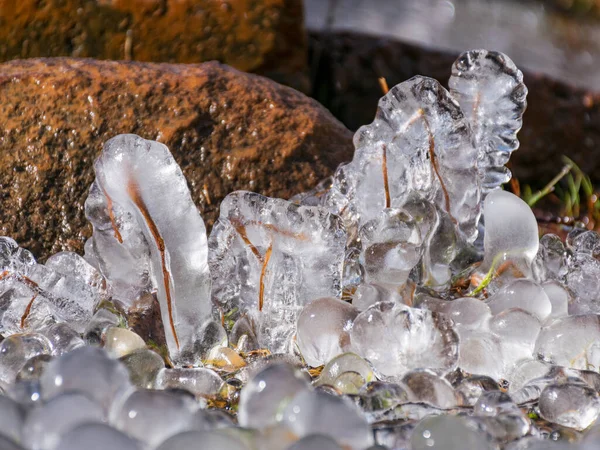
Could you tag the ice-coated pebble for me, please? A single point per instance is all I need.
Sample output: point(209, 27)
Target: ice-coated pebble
point(63, 338)
point(121, 341)
point(315, 442)
point(44, 425)
point(494, 403)
point(143, 366)
point(87, 370)
point(382, 396)
point(341, 364)
point(153, 416)
point(570, 405)
point(17, 349)
point(427, 387)
point(199, 381)
point(448, 433)
point(559, 298)
point(314, 412)
point(470, 389)
point(323, 329)
point(265, 394)
point(11, 419)
point(202, 440)
point(33, 368)
point(96, 328)
point(511, 231)
point(565, 341)
point(421, 338)
point(225, 359)
point(271, 256)
point(96, 436)
point(524, 294)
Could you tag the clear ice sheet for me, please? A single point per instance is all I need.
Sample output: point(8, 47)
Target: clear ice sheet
point(148, 235)
point(270, 257)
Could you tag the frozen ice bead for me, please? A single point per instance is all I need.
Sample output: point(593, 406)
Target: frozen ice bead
point(148, 235)
point(494, 403)
point(381, 396)
point(346, 362)
point(511, 231)
point(583, 241)
point(27, 393)
point(472, 387)
point(490, 90)
point(467, 313)
point(551, 260)
point(367, 295)
point(267, 391)
point(271, 257)
point(17, 349)
point(421, 338)
point(570, 405)
point(212, 440)
point(315, 442)
point(524, 372)
point(101, 321)
point(524, 294)
point(559, 297)
point(87, 370)
point(63, 338)
point(44, 425)
point(391, 247)
point(313, 412)
point(119, 342)
point(583, 279)
point(143, 366)
point(427, 387)
point(518, 331)
point(153, 416)
point(323, 329)
point(481, 354)
point(11, 419)
point(96, 436)
point(565, 341)
point(33, 368)
point(448, 433)
point(199, 381)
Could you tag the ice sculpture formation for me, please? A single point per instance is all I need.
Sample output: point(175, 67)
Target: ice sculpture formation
point(148, 235)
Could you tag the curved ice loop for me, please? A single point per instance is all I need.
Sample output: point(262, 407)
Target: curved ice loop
point(148, 235)
point(419, 145)
point(33, 295)
point(492, 96)
point(270, 257)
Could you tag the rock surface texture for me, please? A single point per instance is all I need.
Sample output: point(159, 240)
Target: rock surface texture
point(227, 130)
point(264, 36)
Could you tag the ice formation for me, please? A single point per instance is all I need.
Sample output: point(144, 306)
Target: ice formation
point(360, 315)
point(149, 236)
point(270, 257)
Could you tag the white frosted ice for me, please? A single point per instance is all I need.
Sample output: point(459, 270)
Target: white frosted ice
point(270, 257)
point(148, 235)
point(490, 90)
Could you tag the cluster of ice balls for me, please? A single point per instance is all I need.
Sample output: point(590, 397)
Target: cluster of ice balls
point(379, 311)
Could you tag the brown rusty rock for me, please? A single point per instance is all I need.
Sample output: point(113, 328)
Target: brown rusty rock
point(560, 119)
point(228, 130)
point(144, 318)
point(264, 36)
